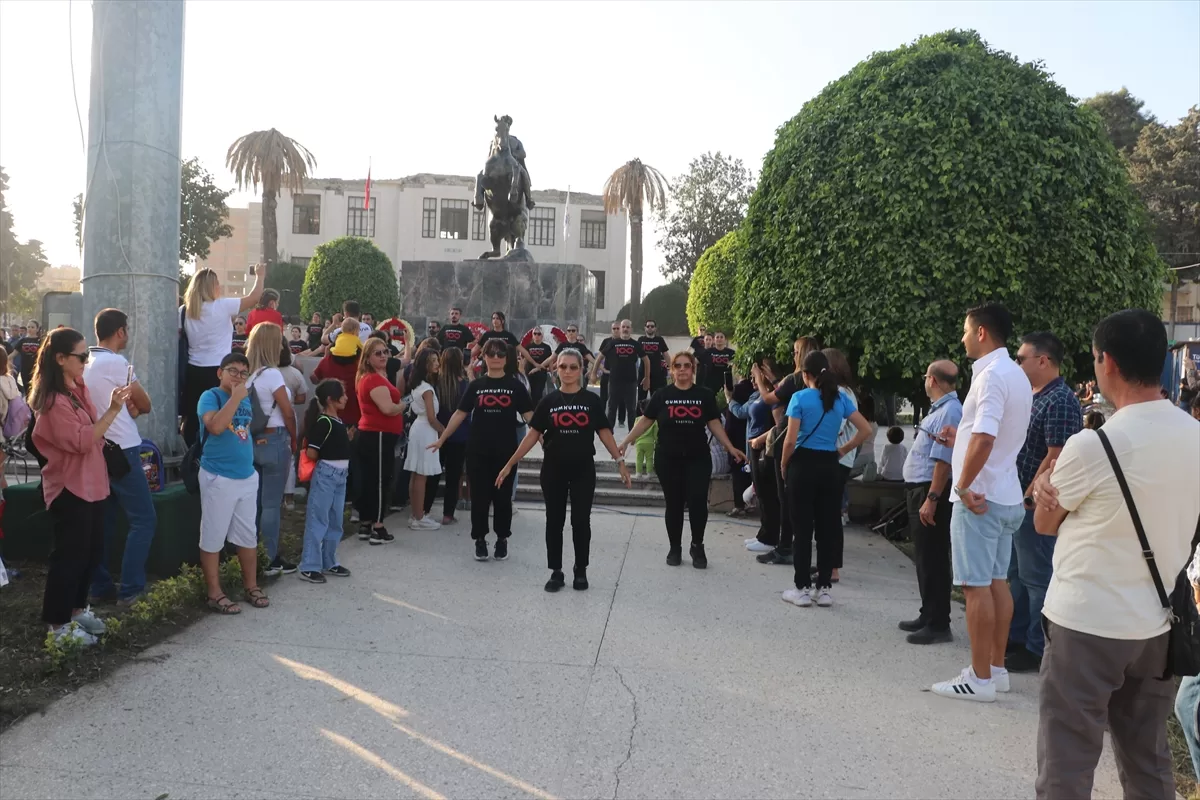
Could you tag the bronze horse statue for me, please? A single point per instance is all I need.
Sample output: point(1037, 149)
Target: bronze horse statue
point(504, 187)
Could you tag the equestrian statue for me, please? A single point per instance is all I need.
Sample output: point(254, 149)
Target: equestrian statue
point(504, 187)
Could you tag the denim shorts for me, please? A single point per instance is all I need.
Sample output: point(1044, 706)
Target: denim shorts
point(981, 544)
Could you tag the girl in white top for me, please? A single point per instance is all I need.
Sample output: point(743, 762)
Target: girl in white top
point(298, 388)
point(425, 430)
point(207, 319)
point(274, 446)
point(841, 368)
point(8, 392)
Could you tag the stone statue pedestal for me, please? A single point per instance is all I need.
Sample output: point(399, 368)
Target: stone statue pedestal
point(528, 293)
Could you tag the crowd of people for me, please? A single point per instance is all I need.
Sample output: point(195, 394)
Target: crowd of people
point(1020, 492)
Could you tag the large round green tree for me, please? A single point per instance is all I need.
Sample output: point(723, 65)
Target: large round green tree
point(927, 180)
point(350, 268)
point(710, 292)
point(666, 305)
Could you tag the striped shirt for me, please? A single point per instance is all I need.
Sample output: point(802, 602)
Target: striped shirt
point(1056, 417)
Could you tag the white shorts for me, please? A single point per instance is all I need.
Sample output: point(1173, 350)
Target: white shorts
point(227, 510)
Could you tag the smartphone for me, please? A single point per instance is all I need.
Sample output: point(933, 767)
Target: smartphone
point(129, 374)
point(729, 379)
point(253, 269)
point(937, 437)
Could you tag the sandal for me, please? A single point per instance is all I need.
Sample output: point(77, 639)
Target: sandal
point(228, 607)
point(257, 597)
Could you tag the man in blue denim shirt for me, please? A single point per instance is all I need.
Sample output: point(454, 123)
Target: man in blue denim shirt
point(927, 490)
point(1056, 417)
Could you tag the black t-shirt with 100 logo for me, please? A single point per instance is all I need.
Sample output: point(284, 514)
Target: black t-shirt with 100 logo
point(567, 423)
point(682, 416)
point(494, 405)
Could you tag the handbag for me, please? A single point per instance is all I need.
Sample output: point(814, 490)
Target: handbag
point(304, 471)
point(189, 467)
point(1183, 647)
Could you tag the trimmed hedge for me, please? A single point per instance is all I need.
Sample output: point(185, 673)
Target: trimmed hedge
point(350, 268)
point(666, 305)
point(710, 293)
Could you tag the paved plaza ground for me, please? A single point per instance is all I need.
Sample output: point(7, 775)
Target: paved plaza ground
point(428, 674)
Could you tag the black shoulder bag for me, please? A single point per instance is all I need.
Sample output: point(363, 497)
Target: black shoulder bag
point(1183, 649)
point(114, 456)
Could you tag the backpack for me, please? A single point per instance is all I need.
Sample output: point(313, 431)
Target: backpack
point(258, 417)
point(189, 467)
point(152, 464)
point(18, 418)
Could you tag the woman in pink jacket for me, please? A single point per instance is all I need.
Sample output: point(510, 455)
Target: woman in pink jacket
point(70, 437)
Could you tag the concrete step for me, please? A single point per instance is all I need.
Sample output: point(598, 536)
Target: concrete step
point(609, 489)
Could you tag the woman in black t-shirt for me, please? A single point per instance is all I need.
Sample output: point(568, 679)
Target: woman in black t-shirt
point(565, 421)
point(316, 326)
point(498, 404)
point(685, 413)
point(537, 365)
point(499, 331)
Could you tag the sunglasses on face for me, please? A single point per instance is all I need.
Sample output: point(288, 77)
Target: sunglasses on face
point(537, 333)
point(572, 330)
point(567, 367)
point(493, 354)
point(682, 365)
point(83, 357)
point(379, 352)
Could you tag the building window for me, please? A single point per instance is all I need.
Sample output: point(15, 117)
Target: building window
point(306, 214)
point(593, 229)
point(454, 219)
point(429, 218)
point(360, 221)
point(479, 228)
point(1183, 314)
point(599, 276)
point(541, 226)
point(301, 261)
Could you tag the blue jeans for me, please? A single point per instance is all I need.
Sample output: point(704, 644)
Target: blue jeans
point(323, 519)
point(272, 460)
point(131, 493)
point(1187, 709)
point(1028, 579)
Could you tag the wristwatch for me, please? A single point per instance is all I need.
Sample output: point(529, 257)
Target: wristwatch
point(959, 492)
point(934, 496)
point(1027, 500)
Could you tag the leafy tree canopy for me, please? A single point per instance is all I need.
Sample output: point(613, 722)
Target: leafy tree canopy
point(707, 202)
point(1164, 166)
point(350, 268)
point(710, 292)
point(1121, 114)
point(21, 264)
point(666, 305)
point(288, 280)
point(927, 180)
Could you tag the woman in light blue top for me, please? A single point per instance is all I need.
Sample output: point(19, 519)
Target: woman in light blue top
point(809, 457)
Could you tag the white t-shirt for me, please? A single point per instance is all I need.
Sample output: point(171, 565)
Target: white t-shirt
point(364, 331)
point(297, 386)
point(104, 372)
point(1101, 584)
point(998, 404)
point(210, 338)
point(847, 431)
point(891, 465)
point(263, 385)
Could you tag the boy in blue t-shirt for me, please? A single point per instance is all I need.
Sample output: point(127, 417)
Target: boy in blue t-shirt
point(228, 484)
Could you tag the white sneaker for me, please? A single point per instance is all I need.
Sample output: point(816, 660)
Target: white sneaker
point(428, 523)
point(751, 540)
point(1000, 681)
point(755, 546)
point(415, 524)
point(354, 515)
point(966, 687)
point(73, 631)
point(798, 597)
point(824, 598)
point(90, 622)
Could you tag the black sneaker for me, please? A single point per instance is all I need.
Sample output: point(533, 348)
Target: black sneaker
point(285, 567)
point(501, 552)
point(675, 556)
point(312, 577)
point(556, 582)
point(699, 560)
point(481, 553)
point(1022, 661)
point(1013, 647)
point(913, 625)
point(364, 532)
point(272, 570)
point(381, 536)
point(774, 557)
point(338, 571)
point(580, 583)
point(928, 635)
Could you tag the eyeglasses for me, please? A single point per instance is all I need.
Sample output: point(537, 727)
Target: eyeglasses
point(649, 325)
point(1020, 359)
point(568, 367)
point(494, 354)
point(237, 373)
point(537, 333)
point(681, 365)
point(572, 330)
point(83, 357)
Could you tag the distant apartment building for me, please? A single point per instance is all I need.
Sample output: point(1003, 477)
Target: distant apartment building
point(430, 218)
point(232, 256)
point(59, 279)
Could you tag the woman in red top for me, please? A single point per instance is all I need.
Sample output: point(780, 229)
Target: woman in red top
point(380, 424)
point(70, 438)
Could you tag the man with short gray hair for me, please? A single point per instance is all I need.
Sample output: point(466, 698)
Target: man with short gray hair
point(621, 357)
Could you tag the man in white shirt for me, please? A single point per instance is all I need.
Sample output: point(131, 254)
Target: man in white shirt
point(106, 370)
point(1105, 664)
point(351, 310)
point(986, 507)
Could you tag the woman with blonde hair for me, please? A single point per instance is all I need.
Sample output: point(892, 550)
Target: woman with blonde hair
point(206, 327)
point(275, 443)
point(380, 424)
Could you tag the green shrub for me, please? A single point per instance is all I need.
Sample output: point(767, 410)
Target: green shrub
point(350, 268)
point(711, 290)
point(288, 280)
point(667, 306)
point(927, 180)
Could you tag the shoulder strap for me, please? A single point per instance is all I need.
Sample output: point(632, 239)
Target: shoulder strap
point(1147, 553)
point(814, 430)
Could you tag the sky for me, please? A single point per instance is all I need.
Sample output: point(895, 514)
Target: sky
point(412, 86)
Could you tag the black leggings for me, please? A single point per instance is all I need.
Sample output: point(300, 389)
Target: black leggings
point(684, 483)
point(839, 540)
point(785, 506)
point(762, 471)
point(377, 458)
point(452, 456)
point(574, 479)
point(814, 491)
point(537, 386)
point(482, 469)
point(197, 381)
point(622, 401)
point(78, 548)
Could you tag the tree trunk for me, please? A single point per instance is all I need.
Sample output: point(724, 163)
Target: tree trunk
point(270, 227)
point(635, 266)
point(1174, 303)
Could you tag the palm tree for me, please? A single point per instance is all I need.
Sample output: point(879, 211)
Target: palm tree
point(277, 162)
point(631, 188)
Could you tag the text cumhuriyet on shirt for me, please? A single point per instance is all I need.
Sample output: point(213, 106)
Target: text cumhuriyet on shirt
point(495, 406)
point(1101, 584)
point(998, 404)
point(719, 363)
point(459, 336)
point(683, 416)
point(539, 353)
point(568, 423)
point(818, 427)
point(654, 348)
point(230, 453)
point(104, 372)
point(621, 357)
point(918, 466)
point(1055, 417)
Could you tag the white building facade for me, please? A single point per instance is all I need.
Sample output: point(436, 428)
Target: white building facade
point(430, 218)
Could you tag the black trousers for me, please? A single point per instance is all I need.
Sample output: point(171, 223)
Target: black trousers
point(452, 456)
point(763, 471)
point(604, 391)
point(839, 540)
point(785, 506)
point(684, 484)
point(482, 469)
point(377, 459)
point(537, 386)
point(814, 493)
point(932, 545)
point(574, 479)
point(658, 379)
point(622, 401)
point(78, 548)
point(197, 381)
